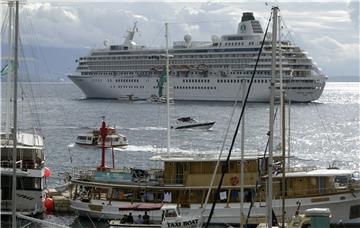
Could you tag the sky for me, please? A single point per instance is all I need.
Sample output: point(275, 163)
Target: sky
point(327, 30)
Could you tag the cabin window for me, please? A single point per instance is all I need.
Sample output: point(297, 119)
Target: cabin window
point(321, 184)
point(179, 173)
point(28, 183)
point(170, 213)
point(355, 212)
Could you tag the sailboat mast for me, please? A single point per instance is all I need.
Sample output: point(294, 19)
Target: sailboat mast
point(243, 88)
point(282, 127)
point(271, 121)
point(167, 88)
point(15, 113)
point(9, 72)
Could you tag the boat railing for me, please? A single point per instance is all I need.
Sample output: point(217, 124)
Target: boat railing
point(23, 164)
point(300, 169)
point(83, 173)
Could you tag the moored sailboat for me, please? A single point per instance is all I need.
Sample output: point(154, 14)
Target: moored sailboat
point(22, 155)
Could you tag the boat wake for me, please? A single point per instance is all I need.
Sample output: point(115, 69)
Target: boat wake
point(161, 150)
point(146, 129)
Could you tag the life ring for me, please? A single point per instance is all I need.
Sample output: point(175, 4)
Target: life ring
point(234, 180)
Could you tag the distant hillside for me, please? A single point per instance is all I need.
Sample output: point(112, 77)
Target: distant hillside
point(344, 78)
point(47, 63)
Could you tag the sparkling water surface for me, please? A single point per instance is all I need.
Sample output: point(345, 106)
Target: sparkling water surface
point(322, 133)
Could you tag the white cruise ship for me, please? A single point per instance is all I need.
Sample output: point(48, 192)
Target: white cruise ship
point(212, 71)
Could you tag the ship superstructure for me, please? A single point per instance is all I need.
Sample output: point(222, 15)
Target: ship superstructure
point(212, 70)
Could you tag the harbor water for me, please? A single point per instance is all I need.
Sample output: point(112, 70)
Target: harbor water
point(322, 133)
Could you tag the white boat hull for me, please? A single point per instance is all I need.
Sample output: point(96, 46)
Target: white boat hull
point(211, 90)
point(338, 204)
point(198, 126)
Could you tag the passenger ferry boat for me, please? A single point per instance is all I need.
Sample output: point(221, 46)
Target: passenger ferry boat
point(210, 70)
point(92, 138)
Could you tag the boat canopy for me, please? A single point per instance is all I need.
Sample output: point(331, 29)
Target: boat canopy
point(141, 207)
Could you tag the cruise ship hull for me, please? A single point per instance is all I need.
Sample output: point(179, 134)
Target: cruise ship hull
point(198, 89)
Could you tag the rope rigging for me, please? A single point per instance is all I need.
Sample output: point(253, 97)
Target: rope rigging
point(225, 164)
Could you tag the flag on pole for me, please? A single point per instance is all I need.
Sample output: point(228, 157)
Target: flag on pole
point(4, 70)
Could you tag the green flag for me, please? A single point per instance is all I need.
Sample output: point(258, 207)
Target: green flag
point(4, 70)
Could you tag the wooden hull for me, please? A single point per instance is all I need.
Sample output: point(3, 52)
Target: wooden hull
point(339, 204)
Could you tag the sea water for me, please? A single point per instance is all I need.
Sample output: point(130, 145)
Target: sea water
point(322, 133)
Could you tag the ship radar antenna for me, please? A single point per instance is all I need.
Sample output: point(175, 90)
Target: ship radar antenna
point(106, 42)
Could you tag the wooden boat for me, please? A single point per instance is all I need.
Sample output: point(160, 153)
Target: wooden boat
point(313, 217)
point(186, 179)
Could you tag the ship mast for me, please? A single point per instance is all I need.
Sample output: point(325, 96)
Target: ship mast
point(167, 87)
point(9, 73)
point(15, 112)
point(242, 144)
point(282, 129)
point(271, 121)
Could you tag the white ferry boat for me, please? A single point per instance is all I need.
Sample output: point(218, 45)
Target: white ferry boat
point(212, 70)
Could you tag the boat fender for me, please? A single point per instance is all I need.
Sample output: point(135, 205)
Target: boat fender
point(49, 204)
point(47, 172)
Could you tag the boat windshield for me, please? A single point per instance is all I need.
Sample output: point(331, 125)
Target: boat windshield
point(186, 119)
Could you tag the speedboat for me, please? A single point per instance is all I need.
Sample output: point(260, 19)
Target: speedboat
point(92, 138)
point(191, 123)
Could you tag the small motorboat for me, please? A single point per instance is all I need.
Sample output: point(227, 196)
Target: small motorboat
point(162, 216)
point(113, 139)
point(191, 123)
point(160, 100)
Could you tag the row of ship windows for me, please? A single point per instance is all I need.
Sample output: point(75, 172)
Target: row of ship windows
point(196, 80)
point(286, 53)
point(124, 80)
point(156, 73)
point(156, 57)
point(206, 80)
point(192, 87)
point(241, 80)
point(130, 87)
point(205, 87)
point(240, 43)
